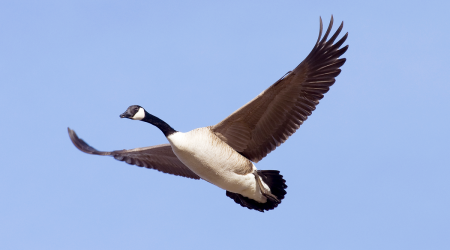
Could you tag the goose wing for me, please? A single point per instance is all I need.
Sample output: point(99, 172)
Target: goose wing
point(267, 121)
point(159, 157)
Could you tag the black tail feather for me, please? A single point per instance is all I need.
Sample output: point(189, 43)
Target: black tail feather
point(277, 186)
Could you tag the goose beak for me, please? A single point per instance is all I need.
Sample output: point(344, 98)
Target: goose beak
point(125, 115)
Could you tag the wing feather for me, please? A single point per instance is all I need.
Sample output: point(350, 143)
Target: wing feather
point(267, 121)
point(159, 157)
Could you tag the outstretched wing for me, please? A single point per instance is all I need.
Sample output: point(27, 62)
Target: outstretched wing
point(159, 157)
point(267, 121)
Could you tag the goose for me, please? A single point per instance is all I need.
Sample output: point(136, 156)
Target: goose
point(224, 154)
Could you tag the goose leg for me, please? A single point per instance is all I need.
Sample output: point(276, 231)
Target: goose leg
point(264, 191)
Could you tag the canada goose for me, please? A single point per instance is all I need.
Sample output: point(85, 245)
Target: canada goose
point(223, 154)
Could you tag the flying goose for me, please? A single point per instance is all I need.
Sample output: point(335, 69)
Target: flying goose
point(223, 154)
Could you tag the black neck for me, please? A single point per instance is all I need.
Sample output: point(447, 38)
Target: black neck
point(163, 126)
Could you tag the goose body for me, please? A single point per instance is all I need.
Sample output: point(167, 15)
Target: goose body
point(224, 154)
point(216, 162)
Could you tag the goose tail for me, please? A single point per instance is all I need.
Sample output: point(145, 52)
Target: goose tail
point(277, 186)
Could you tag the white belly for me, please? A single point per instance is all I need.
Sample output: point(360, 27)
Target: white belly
point(216, 162)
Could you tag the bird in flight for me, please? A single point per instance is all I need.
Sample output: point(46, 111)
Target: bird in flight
point(224, 154)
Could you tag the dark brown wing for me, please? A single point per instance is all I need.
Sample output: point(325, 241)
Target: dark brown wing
point(159, 157)
point(267, 121)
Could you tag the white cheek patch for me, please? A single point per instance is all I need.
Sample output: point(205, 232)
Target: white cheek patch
point(139, 115)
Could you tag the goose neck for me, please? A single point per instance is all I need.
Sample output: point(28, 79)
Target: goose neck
point(162, 125)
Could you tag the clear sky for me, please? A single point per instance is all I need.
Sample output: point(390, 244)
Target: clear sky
point(369, 169)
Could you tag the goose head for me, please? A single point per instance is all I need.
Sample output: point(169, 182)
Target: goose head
point(134, 112)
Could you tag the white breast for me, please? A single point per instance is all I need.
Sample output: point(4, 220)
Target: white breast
point(215, 161)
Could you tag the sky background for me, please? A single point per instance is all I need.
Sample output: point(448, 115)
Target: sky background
point(369, 169)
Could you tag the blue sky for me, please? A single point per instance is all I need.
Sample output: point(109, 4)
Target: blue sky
point(369, 169)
